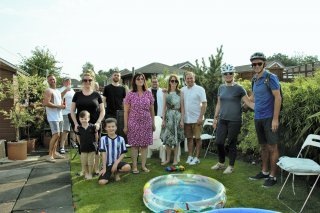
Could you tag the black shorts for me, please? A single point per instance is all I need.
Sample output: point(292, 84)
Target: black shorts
point(108, 173)
point(264, 131)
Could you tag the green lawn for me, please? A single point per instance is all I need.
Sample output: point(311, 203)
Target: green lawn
point(126, 195)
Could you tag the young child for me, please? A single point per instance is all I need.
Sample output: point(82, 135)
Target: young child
point(88, 137)
point(113, 149)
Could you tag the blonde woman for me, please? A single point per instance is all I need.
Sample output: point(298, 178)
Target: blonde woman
point(172, 124)
point(89, 100)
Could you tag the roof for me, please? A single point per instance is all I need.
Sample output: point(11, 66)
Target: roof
point(7, 65)
point(183, 64)
point(248, 68)
point(158, 68)
point(125, 72)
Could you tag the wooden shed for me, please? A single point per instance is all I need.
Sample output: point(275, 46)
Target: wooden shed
point(8, 71)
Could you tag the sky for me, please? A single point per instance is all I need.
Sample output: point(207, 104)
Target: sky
point(134, 33)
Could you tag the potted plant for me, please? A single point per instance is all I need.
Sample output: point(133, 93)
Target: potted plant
point(23, 90)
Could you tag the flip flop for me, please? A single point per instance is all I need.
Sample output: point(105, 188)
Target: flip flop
point(135, 172)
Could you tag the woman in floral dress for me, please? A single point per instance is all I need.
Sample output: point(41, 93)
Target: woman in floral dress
point(173, 113)
point(139, 120)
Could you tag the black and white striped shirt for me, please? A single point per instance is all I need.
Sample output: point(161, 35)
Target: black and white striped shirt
point(113, 147)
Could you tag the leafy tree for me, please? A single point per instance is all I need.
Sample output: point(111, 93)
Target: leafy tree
point(296, 60)
point(40, 62)
point(210, 78)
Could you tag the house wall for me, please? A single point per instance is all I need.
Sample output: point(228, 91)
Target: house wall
point(7, 132)
point(249, 75)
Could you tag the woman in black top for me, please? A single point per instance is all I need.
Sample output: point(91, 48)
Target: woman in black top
point(87, 99)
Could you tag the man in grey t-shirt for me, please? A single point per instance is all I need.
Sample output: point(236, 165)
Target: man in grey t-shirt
point(228, 118)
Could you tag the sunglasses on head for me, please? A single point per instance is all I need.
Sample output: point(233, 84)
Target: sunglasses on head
point(174, 81)
point(228, 73)
point(257, 64)
point(86, 80)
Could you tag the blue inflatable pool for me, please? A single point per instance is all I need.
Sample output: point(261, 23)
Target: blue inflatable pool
point(183, 192)
point(240, 210)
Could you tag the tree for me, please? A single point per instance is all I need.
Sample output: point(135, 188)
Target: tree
point(40, 62)
point(298, 59)
point(210, 78)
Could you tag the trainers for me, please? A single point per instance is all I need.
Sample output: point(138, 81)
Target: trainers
point(194, 161)
point(269, 182)
point(259, 176)
point(62, 151)
point(190, 158)
point(218, 166)
point(228, 170)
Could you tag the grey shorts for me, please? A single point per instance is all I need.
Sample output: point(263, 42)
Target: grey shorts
point(66, 123)
point(55, 126)
point(264, 131)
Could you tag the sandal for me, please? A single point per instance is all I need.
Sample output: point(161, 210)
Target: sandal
point(145, 170)
point(164, 163)
point(135, 172)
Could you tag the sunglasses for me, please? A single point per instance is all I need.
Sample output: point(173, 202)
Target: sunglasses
point(87, 80)
point(174, 81)
point(139, 79)
point(256, 64)
point(228, 73)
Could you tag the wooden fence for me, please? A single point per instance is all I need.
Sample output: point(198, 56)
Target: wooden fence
point(306, 70)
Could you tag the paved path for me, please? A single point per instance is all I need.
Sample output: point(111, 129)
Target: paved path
point(36, 186)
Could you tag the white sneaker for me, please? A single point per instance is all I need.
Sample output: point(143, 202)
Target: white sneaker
point(218, 166)
point(190, 158)
point(228, 170)
point(194, 161)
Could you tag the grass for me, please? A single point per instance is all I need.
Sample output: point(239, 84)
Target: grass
point(126, 195)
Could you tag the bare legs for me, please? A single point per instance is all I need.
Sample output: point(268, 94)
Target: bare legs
point(134, 158)
point(63, 139)
point(168, 155)
point(269, 154)
point(53, 145)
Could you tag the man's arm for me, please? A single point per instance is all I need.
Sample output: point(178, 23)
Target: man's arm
point(203, 110)
point(276, 109)
point(47, 100)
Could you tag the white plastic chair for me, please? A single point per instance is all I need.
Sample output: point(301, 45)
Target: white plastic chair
point(301, 166)
point(157, 142)
point(204, 136)
point(163, 154)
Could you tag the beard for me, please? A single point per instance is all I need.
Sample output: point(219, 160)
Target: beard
point(116, 80)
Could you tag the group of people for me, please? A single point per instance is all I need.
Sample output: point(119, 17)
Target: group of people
point(182, 112)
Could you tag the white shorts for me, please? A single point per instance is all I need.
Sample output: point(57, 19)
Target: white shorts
point(66, 123)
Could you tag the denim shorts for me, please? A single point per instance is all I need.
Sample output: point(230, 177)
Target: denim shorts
point(66, 123)
point(56, 126)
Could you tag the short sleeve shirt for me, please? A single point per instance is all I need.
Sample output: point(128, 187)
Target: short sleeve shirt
point(87, 137)
point(263, 98)
point(90, 103)
point(114, 96)
point(113, 147)
point(193, 99)
point(230, 102)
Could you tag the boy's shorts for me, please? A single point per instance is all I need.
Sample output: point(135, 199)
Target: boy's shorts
point(87, 158)
point(108, 173)
point(191, 130)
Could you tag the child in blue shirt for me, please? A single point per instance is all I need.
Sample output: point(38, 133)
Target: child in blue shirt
point(112, 148)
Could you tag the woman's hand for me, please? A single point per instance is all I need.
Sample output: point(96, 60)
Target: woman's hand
point(125, 130)
point(163, 125)
point(214, 124)
point(153, 127)
point(76, 126)
point(97, 125)
point(181, 124)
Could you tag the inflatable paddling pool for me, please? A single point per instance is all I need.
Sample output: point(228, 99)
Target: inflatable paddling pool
point(183, 192)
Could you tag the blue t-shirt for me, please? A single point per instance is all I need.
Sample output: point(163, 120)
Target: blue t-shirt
point(263, 98)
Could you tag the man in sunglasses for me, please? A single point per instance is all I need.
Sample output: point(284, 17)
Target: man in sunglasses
point(267, 100)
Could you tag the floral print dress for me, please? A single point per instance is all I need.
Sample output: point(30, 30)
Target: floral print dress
point(172, 134)
point(140, 132)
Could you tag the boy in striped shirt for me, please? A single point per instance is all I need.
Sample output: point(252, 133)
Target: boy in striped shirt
point(113, 149)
